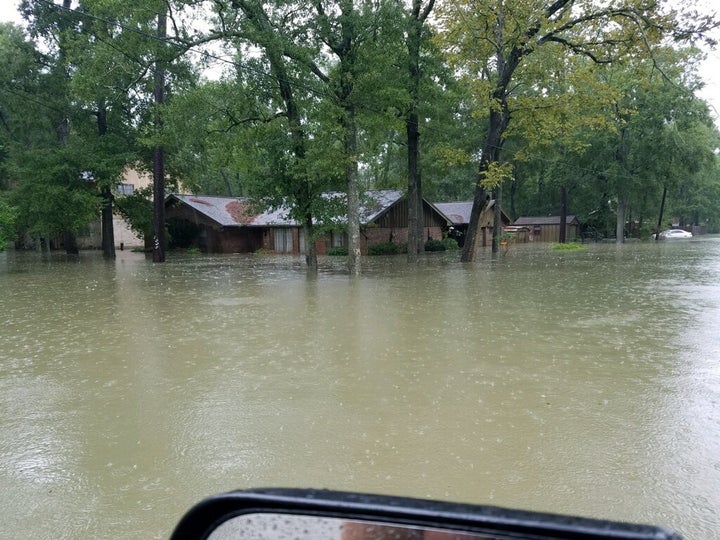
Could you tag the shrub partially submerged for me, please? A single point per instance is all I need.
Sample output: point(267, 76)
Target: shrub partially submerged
point(568, 247)
point(386, 248)
point(340, 251)
point(446, 244)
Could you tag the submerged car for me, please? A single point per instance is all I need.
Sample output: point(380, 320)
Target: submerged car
point(675, 234)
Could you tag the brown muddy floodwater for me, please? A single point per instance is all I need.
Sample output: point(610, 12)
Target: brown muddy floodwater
point(580, 382)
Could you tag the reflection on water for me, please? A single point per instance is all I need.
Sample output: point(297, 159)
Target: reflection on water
point(575, 382)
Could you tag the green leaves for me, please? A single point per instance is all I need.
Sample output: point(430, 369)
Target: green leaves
point(8, 214)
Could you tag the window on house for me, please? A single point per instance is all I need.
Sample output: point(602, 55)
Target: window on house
point(124, 189)
point(283, 240)
point(337, 239)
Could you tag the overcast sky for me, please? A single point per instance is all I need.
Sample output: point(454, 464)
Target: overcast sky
point(710, 71)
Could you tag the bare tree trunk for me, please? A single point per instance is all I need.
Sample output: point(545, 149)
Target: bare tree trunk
point(108, 231)
point(416, 226)
point(563, 215)
point(70, 241)
point(620, 221)
point(497, 219)
point(301, 188)
point(660, 216)
point(490, 153)
point(471, 245)
point(420, 215)
point(353, 192)
point(414, 237)
point(310, 247)
point(159, 152)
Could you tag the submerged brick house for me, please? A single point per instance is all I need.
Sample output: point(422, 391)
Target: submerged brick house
point(236, 225)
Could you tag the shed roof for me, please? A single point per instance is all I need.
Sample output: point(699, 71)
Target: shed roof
point(238, 211)
point(544, 220)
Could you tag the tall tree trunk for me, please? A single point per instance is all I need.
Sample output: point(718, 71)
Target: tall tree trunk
point(310, 247)
point(158, 255)
point(353, 190)
point(471, 245)
point(490, 153)
point(414, 236)
point(108, 232)
point(620, 221)
point(563, 215)
point(68, 237)
point(70, 241)
point(63, 134)
point(346, 52)
point(301, 189)
point(416, 215)
point(497, 219)
point(660, 215)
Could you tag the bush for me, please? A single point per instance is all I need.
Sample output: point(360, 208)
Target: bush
point(7, 223)
point(386, 248)
point(435, 245)
point(568, 247)
point(337, 251)
point(450, 244)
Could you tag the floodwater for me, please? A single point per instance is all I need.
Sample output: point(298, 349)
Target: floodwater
point(580, 382)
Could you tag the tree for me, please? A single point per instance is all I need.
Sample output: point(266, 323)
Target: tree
point(495, 44)
point(7, 223)
point(416, 20)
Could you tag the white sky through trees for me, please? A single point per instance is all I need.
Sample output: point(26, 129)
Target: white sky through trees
point(709, 71)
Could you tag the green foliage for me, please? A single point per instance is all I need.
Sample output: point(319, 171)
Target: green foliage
point(55, 195)
point(274, 126)
point(137, 210)
point(446, 244)
point(435, 245)
point(450, 244)
point(570, 246)
point(8, 215)
point(339, 251)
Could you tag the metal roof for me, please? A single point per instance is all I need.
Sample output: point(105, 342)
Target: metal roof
point(459, 212)
point(238, 211)
point(234, 211)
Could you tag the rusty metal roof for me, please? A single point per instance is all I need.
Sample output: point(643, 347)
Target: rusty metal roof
point(238, 211)
point(233, 211)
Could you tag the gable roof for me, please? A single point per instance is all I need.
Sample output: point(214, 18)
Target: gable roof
point(239, 211)
point(544, 220)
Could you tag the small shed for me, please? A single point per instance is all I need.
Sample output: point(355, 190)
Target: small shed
point(547, 228)
point(458, 216)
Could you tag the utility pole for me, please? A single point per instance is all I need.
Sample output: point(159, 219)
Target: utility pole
point(158, 150)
